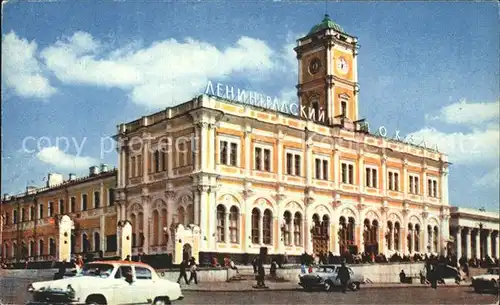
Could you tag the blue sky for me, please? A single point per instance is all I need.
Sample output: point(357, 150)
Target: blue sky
point(76, 70)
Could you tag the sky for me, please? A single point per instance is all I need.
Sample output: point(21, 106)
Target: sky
point(72, 71)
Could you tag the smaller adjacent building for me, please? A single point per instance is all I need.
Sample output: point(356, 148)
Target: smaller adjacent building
point(30, 221)
point(475, 233)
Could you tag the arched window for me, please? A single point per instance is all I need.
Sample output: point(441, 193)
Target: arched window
point(157, 161)
point(297, 229)
point(256, 226)
point(133, 221)
point(409, 238)
point(190, 215)
point(350, 230)
point(97, 241)
point(267, 223)
point(435, 238)
point(156, 228)
point(52, 246)
point(342, 234)
point(417, 238)
point(14, 249)
point(32, 248)
point(181, 215)
point(85, 243)
point(221, 223)
point(388, 235)
point(287, 228)
point(234, 224)
point(61, 206)
point(325, 226)
point(140, 222)
point(397, 231)
point(164, 219)
point(41, 247)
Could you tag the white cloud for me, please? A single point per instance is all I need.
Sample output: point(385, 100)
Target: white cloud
point(478, 146)
point(490, 180)
point(21, 70)
point(58, 158)
point(468, 113)
point(163, 73)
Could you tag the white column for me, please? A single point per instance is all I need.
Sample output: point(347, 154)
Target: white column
point(404, 179)
point(458, 242)
point(248, 153)
point(467, 238)
point(497, 247)
point(145, 223)
point(384, 175)
point(196, 147)
point(488, 243)
point(478, 244)
point(204, 145)
point(261, 227)
point(279, 170)
point(145, 158)
point(361, 170)
point(205, 233)
point(444, 186)
point(309, 164)
point(212, 224)
point(226, 227)
point(336, 167)
point(412, 241)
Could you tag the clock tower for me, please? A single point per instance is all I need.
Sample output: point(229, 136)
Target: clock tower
point(328, 82)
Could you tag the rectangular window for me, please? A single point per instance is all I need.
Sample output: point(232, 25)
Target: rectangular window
point(139, 165)
point(414, 184)
point(61, 206)
point(258, 158)
point(432, 188)
point(343, 105)
point(32, 213)
point(157, 161)
point(143, 273)
point(318, 168)
point(289, 164)
point(297, 165)
point(223, 152)
point(325, 169)
point(40, 211)
point(233, 157)
point(72, 205)
point(132, 171)
point(347, 173)
point(393, 183)
point(267, 160)
point(50, 209)
point(371, 177)
point(434, 185)
point(111, 197)
point(84, 202)
point(97, 200)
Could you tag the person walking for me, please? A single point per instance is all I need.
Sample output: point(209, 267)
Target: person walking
point(193, 269)
point(344, 277)
point(433, 277)
point(183, 266)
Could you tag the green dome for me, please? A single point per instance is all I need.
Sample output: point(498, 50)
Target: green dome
point(327, 23)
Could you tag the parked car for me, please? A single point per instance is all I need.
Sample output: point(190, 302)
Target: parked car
point(108, 282)
point(448, 272)
point(488, 281)
point(325, 277)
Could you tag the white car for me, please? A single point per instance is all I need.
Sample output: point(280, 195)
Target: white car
point(110, 283)
point(487, 282)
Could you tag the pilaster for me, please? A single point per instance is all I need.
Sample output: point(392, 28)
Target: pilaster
point(488, 243)
point(146, 220)
point(458, 242)
point(146, 156)
point(361, 169)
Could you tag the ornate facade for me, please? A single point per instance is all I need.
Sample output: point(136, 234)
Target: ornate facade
point(251, 177)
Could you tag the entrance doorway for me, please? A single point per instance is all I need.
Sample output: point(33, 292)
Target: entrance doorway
point(320, 234)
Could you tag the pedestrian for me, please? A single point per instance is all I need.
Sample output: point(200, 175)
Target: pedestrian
point(193, 270)
point(433, 277)
point(127, 258)
point(182, 274)
point(344, 277)
point(62, 270)
point(233, 266)
point(402, 276)
point(261, 273)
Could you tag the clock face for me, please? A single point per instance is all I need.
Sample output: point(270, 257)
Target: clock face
point(342, 65)
point(314, 66)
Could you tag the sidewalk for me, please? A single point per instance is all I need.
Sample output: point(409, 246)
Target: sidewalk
point(290, 286)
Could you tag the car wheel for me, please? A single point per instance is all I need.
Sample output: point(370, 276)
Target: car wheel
point(353, 286)
point(162, 301)
point(328, 286)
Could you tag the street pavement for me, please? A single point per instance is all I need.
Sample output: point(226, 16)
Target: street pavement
point(13, 291)
point(442, 295)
